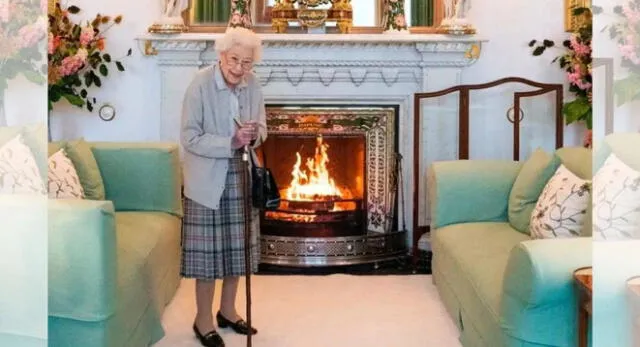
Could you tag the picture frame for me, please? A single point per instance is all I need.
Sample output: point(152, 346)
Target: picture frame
point(570, 21)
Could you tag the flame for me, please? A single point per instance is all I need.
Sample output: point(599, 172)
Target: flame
point(315, 183)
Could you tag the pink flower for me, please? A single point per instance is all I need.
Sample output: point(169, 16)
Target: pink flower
point(579, 48)
point(52, 45)
point(400, 21)
point(632, 15)
point(629, 52)
point(246, 20)
point(235, 19)
point(72, 64)
point(30, 35)
point(86, 35)
point(4, 11)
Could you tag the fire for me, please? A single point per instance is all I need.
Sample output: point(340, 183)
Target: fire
point(315, 183)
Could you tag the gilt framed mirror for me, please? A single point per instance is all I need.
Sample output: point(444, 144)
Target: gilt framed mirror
point(211, 16)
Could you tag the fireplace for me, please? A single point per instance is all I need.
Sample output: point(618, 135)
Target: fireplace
point(336, 169)
point(332, 69)
point(322, 184)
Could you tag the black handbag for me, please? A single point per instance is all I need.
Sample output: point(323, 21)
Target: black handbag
point(265, 194)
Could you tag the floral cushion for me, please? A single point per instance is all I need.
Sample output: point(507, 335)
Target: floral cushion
point(63, 178)
point(562, 206)
point(19, 173)
point(617, 201)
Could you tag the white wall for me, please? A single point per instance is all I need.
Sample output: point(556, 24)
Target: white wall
point(135, 93)
point(625, 117)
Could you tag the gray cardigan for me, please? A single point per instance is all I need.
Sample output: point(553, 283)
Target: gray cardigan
point(207, 129)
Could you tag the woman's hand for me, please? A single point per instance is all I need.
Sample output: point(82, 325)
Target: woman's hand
point(244, 135)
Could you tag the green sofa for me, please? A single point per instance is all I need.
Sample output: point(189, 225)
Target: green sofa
point(501, 288)
point(615, 317)
point(114, 263)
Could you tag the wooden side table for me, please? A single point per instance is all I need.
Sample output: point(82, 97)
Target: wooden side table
point(584, 280)
point(633, 291)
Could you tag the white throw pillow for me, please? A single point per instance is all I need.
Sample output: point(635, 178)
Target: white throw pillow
point(561, 207)
point(64, 182)
point(616, 201)
point(19, 173)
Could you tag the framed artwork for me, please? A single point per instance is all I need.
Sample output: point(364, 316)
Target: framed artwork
point(570, 21)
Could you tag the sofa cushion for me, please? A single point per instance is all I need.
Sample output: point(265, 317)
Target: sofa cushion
point(79, 151)
point(578, 160)
point(562, 206)
point(617, 199)
point(472, 257)
point(624, 145)
point(533, 176)
point(19, 172)
point(63, 180)
point(35, 137)
point(148, 245)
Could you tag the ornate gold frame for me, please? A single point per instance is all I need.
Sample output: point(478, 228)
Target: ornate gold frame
point(570, 21)
point(439, 11)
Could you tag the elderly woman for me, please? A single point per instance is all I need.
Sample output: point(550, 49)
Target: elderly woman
point(213, 240)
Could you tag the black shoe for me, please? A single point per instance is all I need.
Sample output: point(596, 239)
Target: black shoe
point(211, 339)
point(240, 326)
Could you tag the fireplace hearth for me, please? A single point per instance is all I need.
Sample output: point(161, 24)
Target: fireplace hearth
point(336, 169)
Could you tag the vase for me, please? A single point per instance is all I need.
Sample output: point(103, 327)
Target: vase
point(394, 19)
point(240, 14)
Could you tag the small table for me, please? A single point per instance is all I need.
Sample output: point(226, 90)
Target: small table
point(584, 280)
point(633, 290)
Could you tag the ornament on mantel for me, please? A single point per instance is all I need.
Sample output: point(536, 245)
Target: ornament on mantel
point(455, 20)
point(240, 14)
point(395, 21)
point(171, 21)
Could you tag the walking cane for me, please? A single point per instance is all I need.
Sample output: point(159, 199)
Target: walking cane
point(247, 233)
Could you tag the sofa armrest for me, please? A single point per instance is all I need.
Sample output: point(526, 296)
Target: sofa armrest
point(470, 190)
point(141, 176)
point(539, 290)
point(82, 259)
point(616, 313)
point(23, 265)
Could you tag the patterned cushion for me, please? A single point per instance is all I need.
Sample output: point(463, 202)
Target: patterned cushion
point(63, 178)
point(19, 173)
point(562, 206)
point(617, 201)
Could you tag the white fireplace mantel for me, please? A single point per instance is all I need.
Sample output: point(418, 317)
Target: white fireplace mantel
point(351, 69)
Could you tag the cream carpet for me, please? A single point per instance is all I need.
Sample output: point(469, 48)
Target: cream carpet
point(320, 311)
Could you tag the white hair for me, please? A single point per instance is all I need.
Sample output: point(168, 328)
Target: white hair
point(240, 36)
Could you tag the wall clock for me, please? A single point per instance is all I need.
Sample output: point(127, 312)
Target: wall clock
point(107, 112)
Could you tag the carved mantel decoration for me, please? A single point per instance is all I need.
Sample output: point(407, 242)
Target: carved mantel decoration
point(327, 69)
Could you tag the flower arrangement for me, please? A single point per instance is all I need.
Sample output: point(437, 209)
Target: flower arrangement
point(23, 27)
point(240, 16)
point(77, 56)
point(576, 62)
point(394, 16)
point(626, 32)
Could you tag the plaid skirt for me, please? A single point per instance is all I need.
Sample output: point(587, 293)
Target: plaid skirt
point(213, 242)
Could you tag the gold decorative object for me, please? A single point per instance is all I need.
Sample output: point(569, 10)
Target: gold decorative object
point(148, 48)
point(455, 21)
point(168, 28)
point(571, 22)
point(311, 17)
point(473, 52)
point(308, 16)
